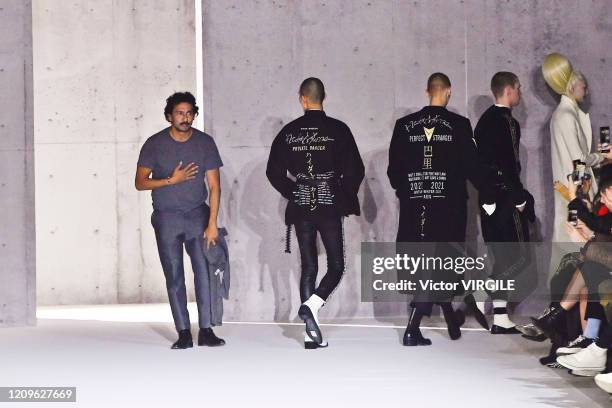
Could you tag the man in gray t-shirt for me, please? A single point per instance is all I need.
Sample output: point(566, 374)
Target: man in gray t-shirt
point(174, 164)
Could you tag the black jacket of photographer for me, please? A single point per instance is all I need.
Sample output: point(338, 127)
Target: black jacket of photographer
point(596, 223)
point(320, 154)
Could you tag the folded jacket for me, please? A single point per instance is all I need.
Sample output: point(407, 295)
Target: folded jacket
point(217, 257)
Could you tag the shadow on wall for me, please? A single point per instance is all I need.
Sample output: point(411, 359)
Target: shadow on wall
point(477, 105)
point(379, 207)
point(548, 98)
point(379, 218)
point(542, 230)
point(264, 216)
point(380, 213)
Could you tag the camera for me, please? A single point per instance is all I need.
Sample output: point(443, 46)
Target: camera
point(604, 139)
point(572, 217)
point(579, 172)
point(578, 177)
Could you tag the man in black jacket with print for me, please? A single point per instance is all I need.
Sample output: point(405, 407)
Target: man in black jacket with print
point(322, 158)
point(432, 154)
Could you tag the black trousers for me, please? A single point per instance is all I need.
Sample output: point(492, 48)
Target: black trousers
point(594, 273)
point(506, 232)
point(441, 221)
point(332, 236)
point(423, 299)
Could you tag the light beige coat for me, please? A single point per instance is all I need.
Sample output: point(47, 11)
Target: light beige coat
point(572, 136)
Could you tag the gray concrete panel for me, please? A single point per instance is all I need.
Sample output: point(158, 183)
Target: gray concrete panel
point(17, 231)
point(374, 57)
point(103, 70)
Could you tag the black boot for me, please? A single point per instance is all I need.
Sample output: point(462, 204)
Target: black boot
point(184, 341)
point(313, 345)
point(206, 337)
point(454, 320)
point(412, 335)
point(550, 322)
point(470, 302)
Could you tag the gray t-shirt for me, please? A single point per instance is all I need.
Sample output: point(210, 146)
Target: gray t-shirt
point(162, 154)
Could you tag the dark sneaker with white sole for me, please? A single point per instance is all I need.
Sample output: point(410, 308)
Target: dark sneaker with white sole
point(575, 346)
point(550, 361)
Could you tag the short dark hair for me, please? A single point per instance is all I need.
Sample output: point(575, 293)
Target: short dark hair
point(313, 89)
point(438, 79)
point(180, 97)
point(501, 80)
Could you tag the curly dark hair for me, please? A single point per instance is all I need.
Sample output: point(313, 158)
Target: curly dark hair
point(180, 97)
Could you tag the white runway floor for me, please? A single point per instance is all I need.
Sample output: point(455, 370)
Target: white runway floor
point(119, 356)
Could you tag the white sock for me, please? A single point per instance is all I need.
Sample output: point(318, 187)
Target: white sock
point(315, 303)
point(500, 315)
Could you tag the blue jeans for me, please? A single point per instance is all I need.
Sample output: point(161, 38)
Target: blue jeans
point(173, 229)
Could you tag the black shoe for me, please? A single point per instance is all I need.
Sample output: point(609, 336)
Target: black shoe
point(551, 321)
point(312, 328)
point(478, 315)
point(495, 329)
point(531, 332)
point(206, 337)
point(454, 321)
point(184, 341)
point(550, 361)
point(312, 345)
point(539, 338)
point(415, 338)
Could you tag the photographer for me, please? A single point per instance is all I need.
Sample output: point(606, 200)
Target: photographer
point(580, 206)
point(593, 230)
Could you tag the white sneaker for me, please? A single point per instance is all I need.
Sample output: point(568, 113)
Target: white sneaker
point(592, 358)
point(604, 381)
point(584, 373)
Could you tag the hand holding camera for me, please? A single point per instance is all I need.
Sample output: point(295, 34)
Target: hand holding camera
point(578, 187)
point(604, 139)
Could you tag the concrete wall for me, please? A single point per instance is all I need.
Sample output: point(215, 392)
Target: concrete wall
point(101, 80)
point(17, 231)
point(102, 72)
point(374, 57)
